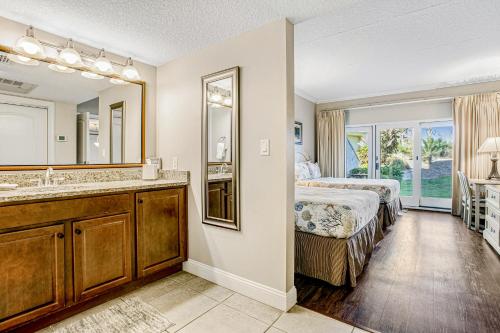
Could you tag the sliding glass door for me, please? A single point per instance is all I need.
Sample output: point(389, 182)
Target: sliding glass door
point(397, 158)
point(417, 154)
point(436, 140)
point(359, 152)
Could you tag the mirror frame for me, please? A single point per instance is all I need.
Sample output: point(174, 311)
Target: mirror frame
point(235, 147)
point(142, 85)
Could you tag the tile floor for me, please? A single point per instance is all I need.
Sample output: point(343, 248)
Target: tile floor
point(197, 305)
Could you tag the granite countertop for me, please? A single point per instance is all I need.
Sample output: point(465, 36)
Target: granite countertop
point(68, 190)
point(220, 176)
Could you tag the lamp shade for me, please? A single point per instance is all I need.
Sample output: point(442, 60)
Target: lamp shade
point(490, 145)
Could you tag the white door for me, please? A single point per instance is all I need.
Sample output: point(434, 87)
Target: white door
point(23, 135)
point(397, 157)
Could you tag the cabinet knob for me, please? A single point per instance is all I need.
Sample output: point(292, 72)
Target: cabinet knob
point(78, 231)
point(140, 201)
point(60, 235)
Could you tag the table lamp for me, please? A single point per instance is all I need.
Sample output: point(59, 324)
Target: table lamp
point(492, 146)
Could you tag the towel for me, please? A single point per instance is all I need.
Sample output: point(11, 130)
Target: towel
point(221, 151)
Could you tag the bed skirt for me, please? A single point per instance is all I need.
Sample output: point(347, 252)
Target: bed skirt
point(338, 261)
point(391, 211)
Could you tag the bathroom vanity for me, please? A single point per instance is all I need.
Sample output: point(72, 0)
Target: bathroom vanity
point(64, 248)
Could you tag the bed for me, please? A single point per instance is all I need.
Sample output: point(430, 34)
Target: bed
point(336, 231)
point(387, 189)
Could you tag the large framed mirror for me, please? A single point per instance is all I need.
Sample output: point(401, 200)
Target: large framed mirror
point(51, 115)
point(220, 150)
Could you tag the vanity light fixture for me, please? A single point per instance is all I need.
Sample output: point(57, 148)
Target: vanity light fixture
point(102, 64)
point(29, 46)
point(129, 72)
point(70, 56)
point(61, 69)
point(118, 81)
point(93, 76)
point(19, 59)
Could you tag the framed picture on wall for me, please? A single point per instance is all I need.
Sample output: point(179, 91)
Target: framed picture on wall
point(298, 133)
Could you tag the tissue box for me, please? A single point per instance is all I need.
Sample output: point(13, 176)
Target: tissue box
point(150, 172)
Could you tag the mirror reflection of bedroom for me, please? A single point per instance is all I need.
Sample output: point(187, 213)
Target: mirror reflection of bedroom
point(396, 188)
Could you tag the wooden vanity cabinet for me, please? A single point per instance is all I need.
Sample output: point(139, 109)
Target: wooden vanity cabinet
point(57, 255)
point(31, 274)
point(102, 255)
point(220, 199)
point(161, 230)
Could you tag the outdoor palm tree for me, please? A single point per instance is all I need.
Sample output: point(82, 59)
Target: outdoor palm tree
point(432, 147)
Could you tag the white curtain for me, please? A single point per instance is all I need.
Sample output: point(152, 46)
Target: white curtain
point(475, 118)
point(330, 139)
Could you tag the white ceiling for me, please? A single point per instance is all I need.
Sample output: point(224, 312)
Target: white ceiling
point(376, 47)
point(344, 49)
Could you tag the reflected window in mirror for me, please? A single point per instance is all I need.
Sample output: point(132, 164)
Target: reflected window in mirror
point(63, 118)
point(220, 149)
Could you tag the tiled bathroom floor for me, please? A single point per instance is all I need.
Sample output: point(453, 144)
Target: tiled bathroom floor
point(197, 305)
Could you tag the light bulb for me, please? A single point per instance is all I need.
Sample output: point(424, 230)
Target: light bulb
point(129, 72)
point(228, 101)
point(216, 98)
point(118, 81)
point(93, 76)
point(61, 68)
point(102, 64)
point(69, 55)
point(19, 59)
point(29, 45)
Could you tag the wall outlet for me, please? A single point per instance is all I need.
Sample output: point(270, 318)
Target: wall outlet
point(264, 147)
point(175, 163)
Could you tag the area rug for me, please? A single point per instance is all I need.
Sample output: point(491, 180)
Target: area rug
point(129, 316)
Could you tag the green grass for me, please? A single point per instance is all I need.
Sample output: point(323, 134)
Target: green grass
point(431, 188)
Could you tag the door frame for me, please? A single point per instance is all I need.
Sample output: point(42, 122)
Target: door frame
point(39, 104)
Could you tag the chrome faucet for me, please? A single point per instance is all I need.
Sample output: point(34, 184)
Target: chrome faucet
point(223, 168)
point(48, 176)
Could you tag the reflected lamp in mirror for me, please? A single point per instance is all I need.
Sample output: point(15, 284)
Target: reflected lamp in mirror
point(221, 149)
point(491, 146)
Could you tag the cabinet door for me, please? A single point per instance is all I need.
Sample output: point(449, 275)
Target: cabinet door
point(31, 274)
point(101, 254)
point(161, 230)
point(216, 200)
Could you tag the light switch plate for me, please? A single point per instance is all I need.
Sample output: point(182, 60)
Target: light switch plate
point(264, 147)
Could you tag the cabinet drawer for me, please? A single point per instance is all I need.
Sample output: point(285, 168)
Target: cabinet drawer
point(493, 198)
point(492, 213)
point(50, 211)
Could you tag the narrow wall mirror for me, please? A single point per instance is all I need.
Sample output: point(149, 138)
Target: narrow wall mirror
point(220, 149)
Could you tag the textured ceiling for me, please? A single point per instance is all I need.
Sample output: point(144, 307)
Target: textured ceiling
point(156, 31)
point(344, 49)
point(376, 47)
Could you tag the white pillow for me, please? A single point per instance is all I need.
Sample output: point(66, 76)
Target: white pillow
point(302, 171)
point(314, 170)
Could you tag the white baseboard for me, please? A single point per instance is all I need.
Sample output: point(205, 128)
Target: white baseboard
point(262, 293)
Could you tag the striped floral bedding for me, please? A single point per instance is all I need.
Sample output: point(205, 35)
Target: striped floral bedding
point(333, 212)
point(387, 189)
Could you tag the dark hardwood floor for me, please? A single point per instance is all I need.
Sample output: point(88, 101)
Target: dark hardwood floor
point(429, 274)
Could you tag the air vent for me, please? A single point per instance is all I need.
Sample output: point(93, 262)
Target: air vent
point(16, 86)
point(4, 59)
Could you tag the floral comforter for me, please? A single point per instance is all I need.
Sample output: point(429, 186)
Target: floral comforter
point(333, 212)
point(387, 189)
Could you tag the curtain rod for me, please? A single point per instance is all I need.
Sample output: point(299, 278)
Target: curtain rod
point(399, 103)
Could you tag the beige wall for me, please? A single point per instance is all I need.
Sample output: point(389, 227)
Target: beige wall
point(263, 250)
point(11, 30)
point(304, 112)
point(65, 124)
point(417, 111)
